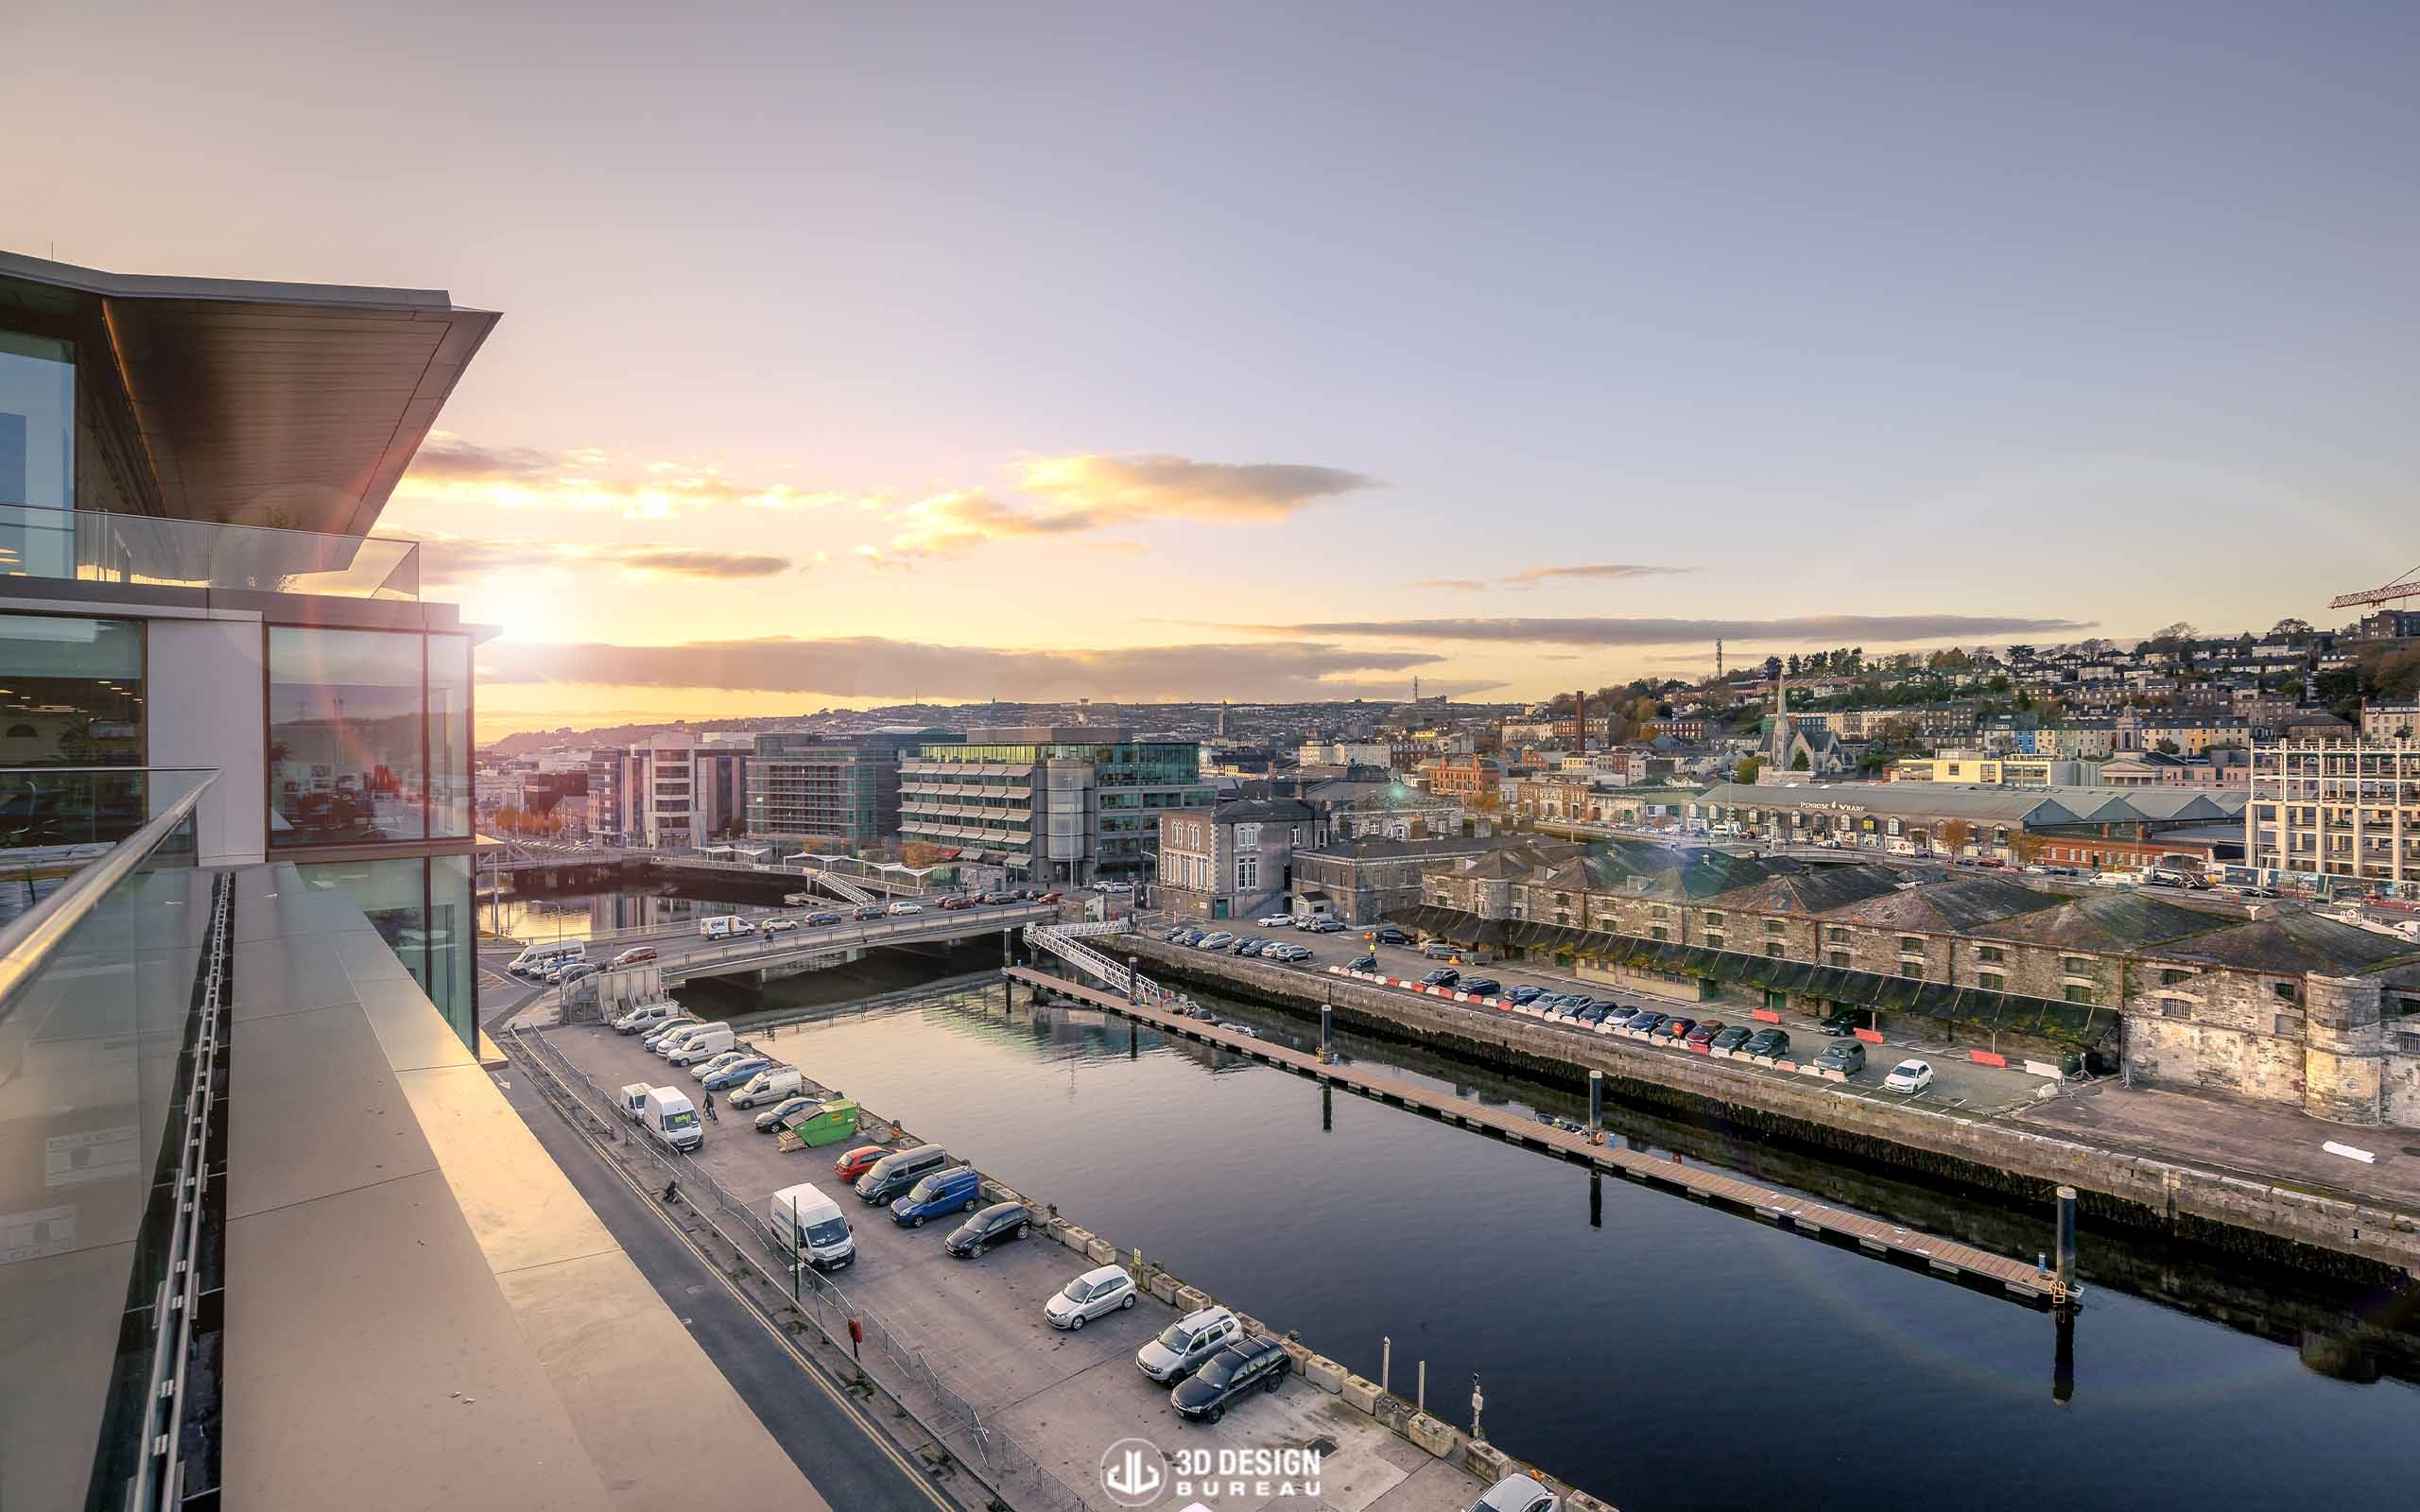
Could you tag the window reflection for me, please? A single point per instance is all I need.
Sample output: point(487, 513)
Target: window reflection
point(37, 447)
point(71, 692)
point(449, 735)
point(345, 737)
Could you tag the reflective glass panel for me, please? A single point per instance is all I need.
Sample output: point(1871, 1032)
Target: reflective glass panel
point(345, 737)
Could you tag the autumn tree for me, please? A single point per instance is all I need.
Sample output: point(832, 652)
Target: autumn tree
point(1956, 835)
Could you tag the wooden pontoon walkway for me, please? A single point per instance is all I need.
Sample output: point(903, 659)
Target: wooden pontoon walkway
point(1944, 1256)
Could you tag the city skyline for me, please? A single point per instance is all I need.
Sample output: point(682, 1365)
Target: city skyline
point(1058, 353)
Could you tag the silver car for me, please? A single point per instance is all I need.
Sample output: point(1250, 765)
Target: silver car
point(1102, 1289)
point(1186, 1343)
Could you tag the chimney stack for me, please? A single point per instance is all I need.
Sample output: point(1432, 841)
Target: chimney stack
point(1580, 718)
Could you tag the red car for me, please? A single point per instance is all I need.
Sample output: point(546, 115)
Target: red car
point(958, 902)
point(1047, 897)
point(1677, 1029)
point(1703, 1034)
point(635, 955)
point(854, 1164)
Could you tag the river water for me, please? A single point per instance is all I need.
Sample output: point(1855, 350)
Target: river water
point(1662, 1355)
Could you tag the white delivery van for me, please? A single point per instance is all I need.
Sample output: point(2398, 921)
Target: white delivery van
point(540, 959)
point(768, 1084)
point(633, 1101)
point(678, 1037)
point(672, 1119)
point(645, 1015)
point(724, 926)
point(807, 1223)
point(703, 1042)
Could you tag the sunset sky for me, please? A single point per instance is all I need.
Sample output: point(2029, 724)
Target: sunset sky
point(871, 352)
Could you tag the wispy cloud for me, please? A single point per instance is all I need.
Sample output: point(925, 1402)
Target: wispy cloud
point(1462, 585)
point(1076, 495)
point(871, 666)
point(449, 469)
point(1834, 629)
point(451, 561)
point(1532, 576)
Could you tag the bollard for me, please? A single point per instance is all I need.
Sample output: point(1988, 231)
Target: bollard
point(1386, 1360)
point(1477, 1402)
point(2068, 1239)
point(1596, 1102)
point(1328, 1033)
point(1420, 1401)
point(1134, 993)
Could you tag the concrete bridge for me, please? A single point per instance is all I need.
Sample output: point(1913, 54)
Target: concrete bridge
point(841, 877)
point(679, 961)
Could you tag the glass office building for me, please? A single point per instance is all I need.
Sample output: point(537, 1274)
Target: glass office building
point(1052, 803)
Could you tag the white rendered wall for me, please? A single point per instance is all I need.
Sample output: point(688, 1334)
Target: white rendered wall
point(201, 692)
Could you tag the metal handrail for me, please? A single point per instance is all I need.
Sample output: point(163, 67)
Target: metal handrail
point(29, 940)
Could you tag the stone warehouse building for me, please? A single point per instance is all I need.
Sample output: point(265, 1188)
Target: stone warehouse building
point(1235, 861)
point(2286, 1008)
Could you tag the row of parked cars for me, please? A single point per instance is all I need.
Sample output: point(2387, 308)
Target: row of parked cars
point(1222, 940)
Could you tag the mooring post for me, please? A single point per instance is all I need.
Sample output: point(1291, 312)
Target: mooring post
point(1477, 1402)
point(1133, 991)
point(1328, 1033)
point(1385, 1359)
point(2067, 1240)
point(1420, 1397)
point(1595, 1104)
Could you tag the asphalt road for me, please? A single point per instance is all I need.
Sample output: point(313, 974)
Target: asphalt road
point(1959, 1083)
point(839, 1456)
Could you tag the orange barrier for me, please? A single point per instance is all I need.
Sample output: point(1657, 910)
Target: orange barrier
point(1985, 1057)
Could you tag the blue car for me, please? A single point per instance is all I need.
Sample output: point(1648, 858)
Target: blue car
point(735, 1074)
point(1523, 996)
point(959, 1189)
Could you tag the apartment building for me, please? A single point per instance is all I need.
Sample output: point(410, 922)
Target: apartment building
point(811, 789)
point(1234, 861)
point(1990, 771)
point(270, 1216)
point(2336, 808)
point(1050, 802)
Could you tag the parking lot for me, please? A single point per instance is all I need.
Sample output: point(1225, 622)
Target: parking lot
point(1959, 1083)
point(1064, 1396)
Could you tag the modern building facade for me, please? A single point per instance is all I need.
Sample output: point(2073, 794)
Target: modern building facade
point(189, 474)
point(1050, 802)
point(820, 791)
point(2336, 808)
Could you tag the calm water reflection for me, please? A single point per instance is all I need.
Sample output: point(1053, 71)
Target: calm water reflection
point(1669, 1356)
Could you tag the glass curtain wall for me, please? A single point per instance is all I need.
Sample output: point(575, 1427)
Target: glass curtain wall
point(421, 906)
point(37, 447)
point(449, 736)
point(347, 737)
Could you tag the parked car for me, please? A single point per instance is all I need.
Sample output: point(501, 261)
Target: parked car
point(774, 1117)
point(1217, 940)
point(823, 920)
point(635, 955)
point(1260, 1361)
point(648, 1016)
point(1675, 1028)
point(1846, 1056)
point(1192, 937)
point(1517, 1493)
point(1909, 1076)
point(1276, 922)
point(1173, 931)
point(855, 1163)
point(736, 1074)
point(665, 1029)
point(895, 1173)
point(1573, 1006)
point(570, 971)
point(903, 908)
point(951, 906)
point(1287, 951)
point(1523, 995)
point(1486, 986)
point(1181, 1347)
point(1249, 945)
point(868, 911)
point(1703, 1034)
point(1731, 1039)
point(1443, 976)
point(997, 1224)
point(1654, 1025)
point(1322, 926)
point(1387, 934)
point(1102, 1289)
point(778, 926)
point(1366, 961)
point(1594, 1014)
point(958, 1189)
point(999, 899)
point(1774, 1042)
point(1842, 1021)
point(706, 1065)
point(1440, 950)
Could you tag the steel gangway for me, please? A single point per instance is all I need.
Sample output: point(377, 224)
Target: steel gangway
point(1066, 941)
point(842, 885)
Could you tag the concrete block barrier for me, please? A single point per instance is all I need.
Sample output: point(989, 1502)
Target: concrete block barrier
point(1165, 1286)
point(1326, 1374)
point(1485, 1460)
point(1361, 1394)
point(1192, 1298)
point(1074, 1238)
point(1298, 1356)
point(1582, 1502)
point(1435, 1437)
point(1252, 1324)
point(1101, 1252)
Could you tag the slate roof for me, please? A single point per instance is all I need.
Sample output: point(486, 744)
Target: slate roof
point(1817, 890)
point(2105, 921)
point(2289, 945)
point(1961, 905)
point(1264, 811)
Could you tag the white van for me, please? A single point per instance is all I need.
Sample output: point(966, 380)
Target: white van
point(704, 1043)
point(665, 1045)
point(805, 1222)
point(633, 1101)
point(645, 1015)
point(671, 1120)
point(768, 1084)
point(538, 960)
point(724, 926)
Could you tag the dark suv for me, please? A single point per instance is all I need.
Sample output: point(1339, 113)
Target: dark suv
point(1260, 1361)
point(1001, 1220)
point(1847, 1056)
point(1842, 1021)
point(1774, 1042)
point(1388, 934)
point(1443, 976)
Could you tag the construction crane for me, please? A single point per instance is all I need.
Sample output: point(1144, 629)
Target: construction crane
point(2403, 587)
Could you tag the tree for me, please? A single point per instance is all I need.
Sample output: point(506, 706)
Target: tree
point(1799, 763)
point(2029, 847)
point(1956, 835)
point(1793, 663)
point(1772, 667)
point(2295, 631)
point(924, 852)
point(2165, 747)
point(1747, 769)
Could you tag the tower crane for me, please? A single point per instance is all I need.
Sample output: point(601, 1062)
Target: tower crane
point(2403, 587)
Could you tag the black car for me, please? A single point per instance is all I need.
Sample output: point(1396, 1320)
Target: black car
point(1389, 935)
point(1843, 1022)
point(1655, 1025)
point(1774, 1042)
point(1366, 961)
point(1443, 976)
point(1848, 1057)
point(1593, 1013)
point(1675, 1028)
point(1731, 1039)
point(1524, 996)
point(819, 920)
point(1486, 986)
point(870, 911)
point(1175, 932)
point(1260, 1361)
point(995, 1223)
